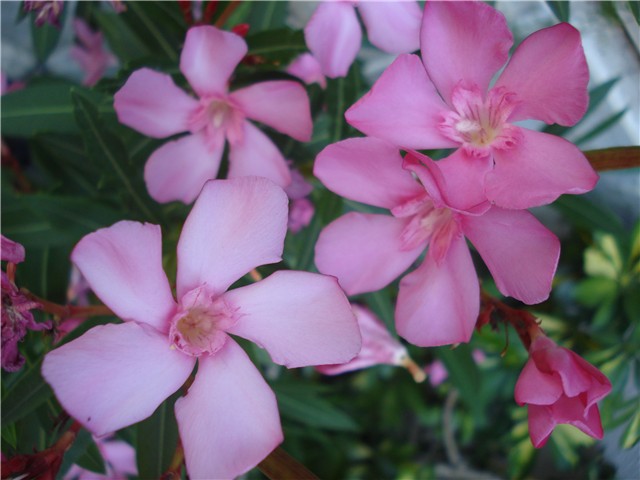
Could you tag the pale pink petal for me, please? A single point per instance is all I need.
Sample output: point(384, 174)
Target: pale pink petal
point(234, 226)
point(153, 105)
point(537, 388)
point(308, 69)
point(549, 74)
point(11, 251)
point(333, 36)
point(365, 252)
point(256, 155)
point(366, 170)
point(120, 456)
point(229, 420)
point(536, 171)
point(300, 318)
point(123, 266)
point(280, 104)
point(115, 375)
point(541, 424)
point(209, 57)
point(521, 253)
point(463, 42)
point(393, 27)
point(178, 169)
point(439, 303)
point(402, 107)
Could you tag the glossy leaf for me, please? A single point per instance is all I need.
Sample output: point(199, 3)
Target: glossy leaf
point(25, 395)
point(561, 9)
point(583, 213)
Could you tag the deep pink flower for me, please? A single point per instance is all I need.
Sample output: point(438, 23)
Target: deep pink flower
point(333, 33)
point(444, 101)
point(307, 69)
point(90, 54)
point(117, 375)
point(152, 104)
point(560, 387)
point(439, 302)
point(119, 458)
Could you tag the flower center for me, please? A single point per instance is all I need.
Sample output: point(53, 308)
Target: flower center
point(480, 124)
point(219, 118)
point(199, 326)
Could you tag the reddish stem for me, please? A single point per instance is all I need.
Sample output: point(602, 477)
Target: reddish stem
point(224, 16)
point(67, 311)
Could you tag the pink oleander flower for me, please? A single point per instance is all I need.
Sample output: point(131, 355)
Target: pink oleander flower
point(444, 101)
point(558, 386)
point(90, 54)
point(333, 33)
point(152, 104)
point(301, 210)
point(16, 310)
point(117, 374)
point(439, 302)
point(119, 459)
point(47, 11)
point(308, 69)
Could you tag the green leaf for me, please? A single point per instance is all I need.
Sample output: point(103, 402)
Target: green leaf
point(264, 16)
point(601, 127)
point(277, 47)
point(634, 6)
point(157, 440)
point(25, 395)
point(631, 434)
point(46, 37)
point(560, 9)
point(583, 213)
point(341, 94)
point(84, 452)
point(464, 375)
point(593, 291)
point(92, 459)
point(124, 43)
point(159, 26)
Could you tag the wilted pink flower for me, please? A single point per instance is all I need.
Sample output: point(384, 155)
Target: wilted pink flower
point(119, 459)
point(117, 375)
point(439, 302)
point(152, 104)
point(307, 68)
point(301, 209)
point(333, 33)
point(16, 310)
point(47, 11)
point(90, 54)
point(558, 386)
point(444, 101)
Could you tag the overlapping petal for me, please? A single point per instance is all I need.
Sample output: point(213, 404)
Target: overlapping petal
point(234, 226)
point(177, 170)
point(152, 104)
point(229, 420)
point(402, 107)
point(280, 104)
point(365, 252)
point(393, 27)
point(463, 42)
point(123, 266)
point(366, 170)
point(300, 318)
point(333, 36)
point(537, 388)
point(549, 74)
point(439, 303)
point(537, 170)
point(115, 375)
point(209, 57)
point(522, 254)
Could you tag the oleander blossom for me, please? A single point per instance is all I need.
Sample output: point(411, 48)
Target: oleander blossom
point(446, 100)
point(117, 374)
point(439, 302)
point(152, 104)
point(558, 386)
point(333, 33)
point(90, 53)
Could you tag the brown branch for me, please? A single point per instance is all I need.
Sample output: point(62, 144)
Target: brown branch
point(279, 465)
point(614, 158)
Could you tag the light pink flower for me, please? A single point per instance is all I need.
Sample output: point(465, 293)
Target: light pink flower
point(119, 458)
point(444, 101)
point(308, 69)
point(439, 302)
point(152, 104)
point(117, 374)
point(90, 54)
point(333, 33)
point(301, 210)
point(560, 387)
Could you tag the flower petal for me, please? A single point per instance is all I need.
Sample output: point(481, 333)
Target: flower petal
point(229, 420)
point(178, 170)
point(393, 27)
point(308, 69)
point(152, 104)
point(333, 36)
point(123, 266)
point(537, 388)
point(256, 155)
point(11, 251)
point(463, 42)
point(464, 181)
point(521, 253)
point(300, 318)
point(549, 73)
point(366, 170)
point(115, 375)
point(541, 424)
point(209, 57)
point(536, 171)
point(571, 411)
point(234, 226)
point(280, 104)
point(364, 251)
point(402, 107)
point(439, 303)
